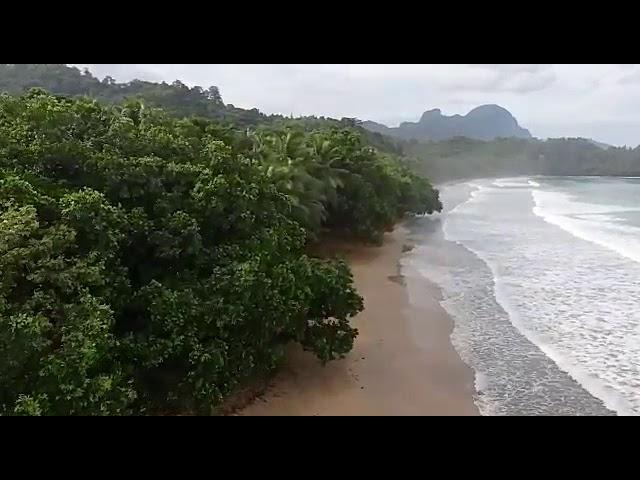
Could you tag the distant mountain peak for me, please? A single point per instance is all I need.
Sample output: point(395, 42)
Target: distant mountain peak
point(435, 112)
point(489, 107)
point(485, 122)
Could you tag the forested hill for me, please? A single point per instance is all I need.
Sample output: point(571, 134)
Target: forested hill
point(175, 98)
point(466, 158)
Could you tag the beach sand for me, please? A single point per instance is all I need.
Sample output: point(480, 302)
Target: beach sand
point(402, 363)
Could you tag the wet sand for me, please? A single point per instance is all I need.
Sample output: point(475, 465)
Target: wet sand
point(402, 363)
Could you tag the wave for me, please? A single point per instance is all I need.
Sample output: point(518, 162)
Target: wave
point(512, 183)
point(475, 189)
point(595, 223)
point(613, 400)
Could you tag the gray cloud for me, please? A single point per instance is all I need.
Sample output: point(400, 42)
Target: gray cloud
point(601, 101)
point(515, 78)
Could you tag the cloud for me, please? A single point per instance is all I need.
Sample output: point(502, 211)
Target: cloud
point(515, 78)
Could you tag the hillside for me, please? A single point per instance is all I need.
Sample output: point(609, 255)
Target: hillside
point(175, 98)
point(604, 146)
point(486, 122)
point(467, 158)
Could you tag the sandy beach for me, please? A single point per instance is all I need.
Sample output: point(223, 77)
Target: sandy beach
point(402, 363)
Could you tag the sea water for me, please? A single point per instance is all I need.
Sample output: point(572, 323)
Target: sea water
point(542, 278)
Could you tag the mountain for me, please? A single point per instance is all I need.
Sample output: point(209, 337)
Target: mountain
point(485, 122)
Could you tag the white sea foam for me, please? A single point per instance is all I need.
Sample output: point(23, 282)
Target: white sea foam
point(578, 304)
point(475, 189)
point(594, 385)
point(512, 183)
point(592, 222)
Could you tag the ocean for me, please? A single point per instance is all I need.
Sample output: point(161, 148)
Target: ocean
point(541, 276)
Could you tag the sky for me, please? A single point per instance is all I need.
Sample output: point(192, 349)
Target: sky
point(552, 100)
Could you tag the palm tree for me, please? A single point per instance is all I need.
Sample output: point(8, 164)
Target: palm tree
point(327, 153)
point(288, 162)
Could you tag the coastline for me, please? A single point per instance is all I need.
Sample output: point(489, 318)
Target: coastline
point(402, 363)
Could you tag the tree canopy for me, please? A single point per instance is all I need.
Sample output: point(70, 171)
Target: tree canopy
point(464, 158)
point(151, 263)
point(176, 98)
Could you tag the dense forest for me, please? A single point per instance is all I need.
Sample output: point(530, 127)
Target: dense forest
point(175, 98)
point(466, 158)
point(152, 263)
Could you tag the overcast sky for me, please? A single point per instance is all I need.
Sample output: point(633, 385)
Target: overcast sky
point(597, 101)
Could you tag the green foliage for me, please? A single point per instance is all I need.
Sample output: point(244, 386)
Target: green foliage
point(337, 182)
point(152, 264)
point(176, 98)
point(327, 333)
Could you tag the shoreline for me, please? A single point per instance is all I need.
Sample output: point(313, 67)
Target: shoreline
point(402, 363)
